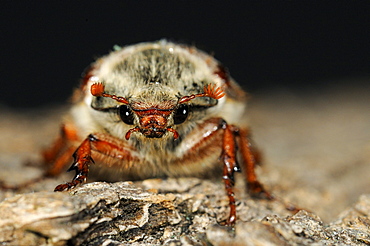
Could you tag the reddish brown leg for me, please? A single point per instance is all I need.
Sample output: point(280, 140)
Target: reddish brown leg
point(107, 146)
point(254, 186)
point(230, 166)
point(82, 159)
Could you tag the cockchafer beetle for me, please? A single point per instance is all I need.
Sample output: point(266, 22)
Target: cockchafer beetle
point(157, 109)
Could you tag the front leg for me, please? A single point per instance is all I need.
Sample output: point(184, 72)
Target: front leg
point(228, 157)
point(82, 159)
point(229, 149)
point(103, 148)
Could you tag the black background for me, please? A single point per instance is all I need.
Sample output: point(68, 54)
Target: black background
point(298, 45)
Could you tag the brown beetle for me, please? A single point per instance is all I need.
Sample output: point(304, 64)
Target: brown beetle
point(157, 109)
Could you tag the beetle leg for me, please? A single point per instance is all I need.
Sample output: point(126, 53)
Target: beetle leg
point(254, 186)
point(97, 145)
point(82, 159)
point(230, 166)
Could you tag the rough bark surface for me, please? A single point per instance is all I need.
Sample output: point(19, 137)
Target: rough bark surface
point(316, 152)
point(121, 213)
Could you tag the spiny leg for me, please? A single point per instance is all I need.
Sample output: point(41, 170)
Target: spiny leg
point(230, 166)
point(82, 159)
point(103, 145)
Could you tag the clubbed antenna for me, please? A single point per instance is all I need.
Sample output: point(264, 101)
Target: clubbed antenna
point(97, 89)
point(209, 91)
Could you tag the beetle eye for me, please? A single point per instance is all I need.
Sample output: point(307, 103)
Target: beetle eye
point(126, 115)
point(181, 114)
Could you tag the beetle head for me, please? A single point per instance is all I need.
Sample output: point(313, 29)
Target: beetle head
point(154, 116)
